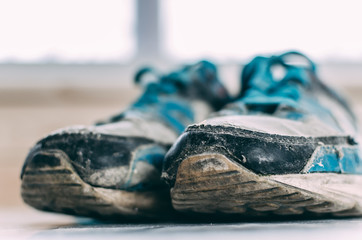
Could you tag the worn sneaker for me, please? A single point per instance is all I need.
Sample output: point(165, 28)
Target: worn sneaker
point(286, 146)
point(113, 169)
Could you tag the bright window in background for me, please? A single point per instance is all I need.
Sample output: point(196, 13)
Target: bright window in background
point(66, 31)
point(326, 30)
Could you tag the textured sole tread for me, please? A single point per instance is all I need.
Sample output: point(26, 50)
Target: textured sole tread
point(213, 184)
point(59, 188)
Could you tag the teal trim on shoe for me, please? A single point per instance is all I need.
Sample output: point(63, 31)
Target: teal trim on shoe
point(339, 160)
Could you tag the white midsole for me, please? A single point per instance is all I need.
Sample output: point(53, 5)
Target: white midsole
point(343, 187)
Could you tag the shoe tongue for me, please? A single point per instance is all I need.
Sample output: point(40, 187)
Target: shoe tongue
point(198, 81)
point(178, 79)
point(199, 72)
point(206, 84)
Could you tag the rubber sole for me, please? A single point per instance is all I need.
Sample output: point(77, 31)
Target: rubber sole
point(55, 186)
point(213, 184)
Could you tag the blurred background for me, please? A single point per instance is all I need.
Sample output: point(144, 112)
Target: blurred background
point(69, 62)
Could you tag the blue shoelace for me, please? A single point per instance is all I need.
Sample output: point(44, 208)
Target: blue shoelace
point(175, 82)
point(261, 91)
point(161, 85)
point(167, 93)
